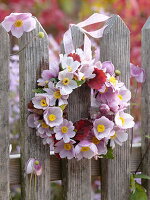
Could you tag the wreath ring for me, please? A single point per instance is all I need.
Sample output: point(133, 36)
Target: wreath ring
point(85, 138)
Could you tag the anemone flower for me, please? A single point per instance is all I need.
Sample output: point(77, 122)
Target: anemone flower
point(18, 23)
point(65, 150)
point(33, 166)
point(64, 131)
point(85, 149)
point(53, 116)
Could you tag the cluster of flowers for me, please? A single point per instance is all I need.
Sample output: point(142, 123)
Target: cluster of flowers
point(85, 138)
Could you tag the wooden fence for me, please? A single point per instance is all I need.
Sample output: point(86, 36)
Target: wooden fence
point(75, 175)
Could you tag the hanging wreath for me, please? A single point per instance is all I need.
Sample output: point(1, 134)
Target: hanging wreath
point(85, 138)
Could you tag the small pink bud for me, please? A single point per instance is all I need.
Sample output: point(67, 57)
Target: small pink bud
point(104, 108)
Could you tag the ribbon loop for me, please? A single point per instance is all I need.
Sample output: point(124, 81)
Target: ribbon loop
point(93, 19)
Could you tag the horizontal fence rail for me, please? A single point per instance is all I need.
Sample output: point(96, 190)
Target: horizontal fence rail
point(55, 166)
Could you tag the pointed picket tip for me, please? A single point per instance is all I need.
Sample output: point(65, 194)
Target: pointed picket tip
point(34, 33)
point(147, 24)
point(3, 30)
point(38, 28)
point(77, 36)
point(4, 34)
point(41, 29)
point(115, 22)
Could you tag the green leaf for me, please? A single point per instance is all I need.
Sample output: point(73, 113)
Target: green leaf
point(38, 90)
point(63, 107)
point(110, 154)
point(132, 183)
point(143, 176)
point(54, 80)
point(139, 194)
point(147, 136)
point(79, 83)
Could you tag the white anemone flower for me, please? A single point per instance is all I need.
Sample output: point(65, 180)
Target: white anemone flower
point(41, 101)
point(66, 84)
point(124, 95)
point(102, 127)
point(85, 72)
point(65, 131)
point(113, 82)
point(54, 95)
point(69, 65)
point(53, 116)
point(118, 137)
point(124, 120)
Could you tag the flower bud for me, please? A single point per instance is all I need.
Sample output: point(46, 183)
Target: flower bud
point(117, 72)
point(41, 35)
point(104, 108)
point(36, 162)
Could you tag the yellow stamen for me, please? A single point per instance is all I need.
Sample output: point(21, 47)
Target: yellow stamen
point(122, 120)
point(52, 117)
point(100, 128)
point(44, 125)
point(85, 148)
point(46, 82)
point(83, 78)
point(66, 81)
point(114, 136)
point(120, 96)
point(43, 103)
point(95, 140)
point(64, 129)
point(57, 95)
point(69, 69)
point(113, 80)
point(18, 23)
point(67, 146)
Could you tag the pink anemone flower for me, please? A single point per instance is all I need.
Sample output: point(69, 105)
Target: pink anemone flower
point(65, 131)
point(53, 116)
point(65, 150)
point(18, 23)
point(85, 149)
point(102, 127)
point(33, 166)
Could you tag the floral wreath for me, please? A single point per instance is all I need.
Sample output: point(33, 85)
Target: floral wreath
point(85, 138)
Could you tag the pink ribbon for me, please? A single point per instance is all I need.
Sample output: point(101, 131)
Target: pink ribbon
point(93, 19)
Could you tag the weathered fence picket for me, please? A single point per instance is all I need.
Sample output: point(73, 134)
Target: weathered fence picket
point(4, 113)
point(145, 111)
point(32, 60)
point(114, 46)
point(75, 175)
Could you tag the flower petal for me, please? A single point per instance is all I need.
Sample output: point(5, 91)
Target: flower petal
point(17, 32)
point(29, 24)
